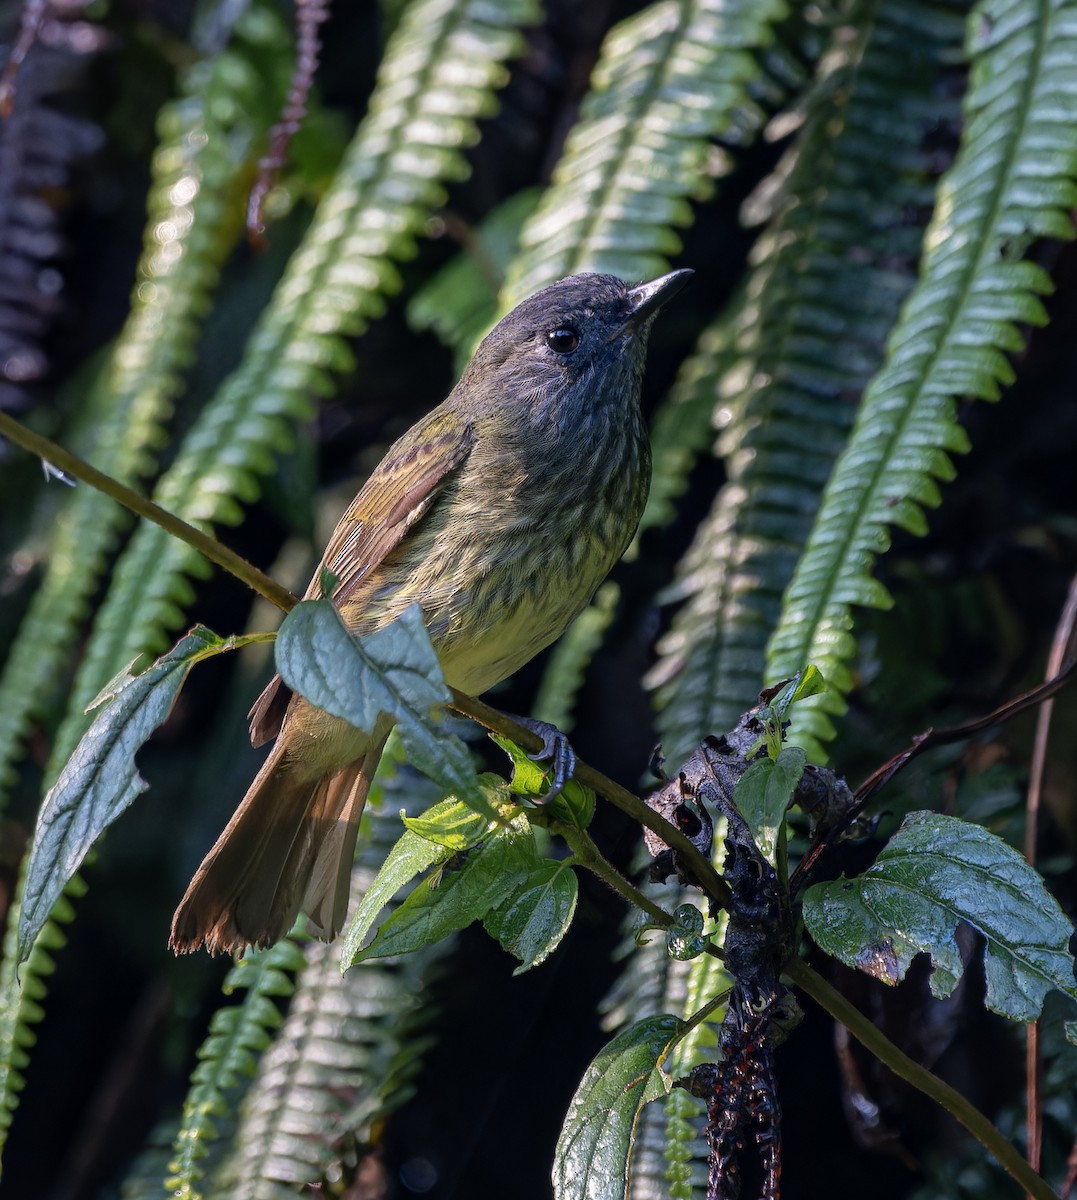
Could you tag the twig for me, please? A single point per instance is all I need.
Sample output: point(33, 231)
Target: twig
point(926, 740)
point(830, 999)
point(491, 718)
point(1060, 648)
point(203, 542)
point(309, 15)
point(261, 583)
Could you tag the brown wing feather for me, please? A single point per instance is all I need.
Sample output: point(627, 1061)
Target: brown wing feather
point(397, 495)
point(401, 490)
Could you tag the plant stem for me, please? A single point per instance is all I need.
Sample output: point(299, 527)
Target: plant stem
point(588, 855)
point(491, 718)
point(203, 542)
point(923, 1080)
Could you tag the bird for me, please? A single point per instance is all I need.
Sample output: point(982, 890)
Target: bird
point(500, 512)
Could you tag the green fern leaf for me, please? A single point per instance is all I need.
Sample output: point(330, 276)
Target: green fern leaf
point(1014, 181)
point(208, 138)
point(668, 81)
point(819, 267)
point(228, 1058)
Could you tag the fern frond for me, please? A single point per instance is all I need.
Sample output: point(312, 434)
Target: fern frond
point(22, 990)
point(668, 81)
point(208, 137)
point(227, 1059)
point(1014, 180)
point(438, 77)
point(822, 265)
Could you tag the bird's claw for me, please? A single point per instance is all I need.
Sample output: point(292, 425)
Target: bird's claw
point(556, 750)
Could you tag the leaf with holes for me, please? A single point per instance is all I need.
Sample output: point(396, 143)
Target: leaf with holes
point(936, 872)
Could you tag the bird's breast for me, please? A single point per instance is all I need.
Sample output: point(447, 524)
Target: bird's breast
point(511, 552)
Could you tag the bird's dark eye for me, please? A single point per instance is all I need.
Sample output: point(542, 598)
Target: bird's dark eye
point(563, 340)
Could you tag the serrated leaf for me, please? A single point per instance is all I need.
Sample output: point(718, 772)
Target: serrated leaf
point(935, 872)
point(763, 793)
point(453, 898)
point(394, 671)
point(532, 922)
point(593, 1152)
point(410, 855)
point(100, 779)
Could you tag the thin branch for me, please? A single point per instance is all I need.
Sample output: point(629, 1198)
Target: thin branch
point(830, 999)
point(309, 15)
point(1061, 648)
point(588, 855)
point(707, 877)
point(51, 453)
point(34, 13)
point(926, 740)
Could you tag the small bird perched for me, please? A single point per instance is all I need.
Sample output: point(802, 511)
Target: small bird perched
point(500, 513)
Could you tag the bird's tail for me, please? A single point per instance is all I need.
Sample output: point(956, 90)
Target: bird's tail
point(288, 848)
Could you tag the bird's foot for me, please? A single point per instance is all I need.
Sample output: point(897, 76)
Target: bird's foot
point(556, 751)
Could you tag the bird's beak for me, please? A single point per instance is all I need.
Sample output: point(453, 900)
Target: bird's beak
point(644, 301)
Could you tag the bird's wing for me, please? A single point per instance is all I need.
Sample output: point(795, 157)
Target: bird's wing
point(397, 495)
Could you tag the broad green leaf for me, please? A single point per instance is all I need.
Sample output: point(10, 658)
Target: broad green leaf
point(100, 779)
point(574, 804)
point(412, 854)
point(593, 1152)
point(532, 922)
point(935, 872)
point(456, 895)
point(394, 671)
point(763, 793)
point(529, 777)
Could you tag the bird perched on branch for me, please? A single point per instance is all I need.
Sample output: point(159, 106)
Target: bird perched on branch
point(500, 513)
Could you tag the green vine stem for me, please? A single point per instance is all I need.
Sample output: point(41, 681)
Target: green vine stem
point(830, 999)
point(586, 854)
point(52, 453)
